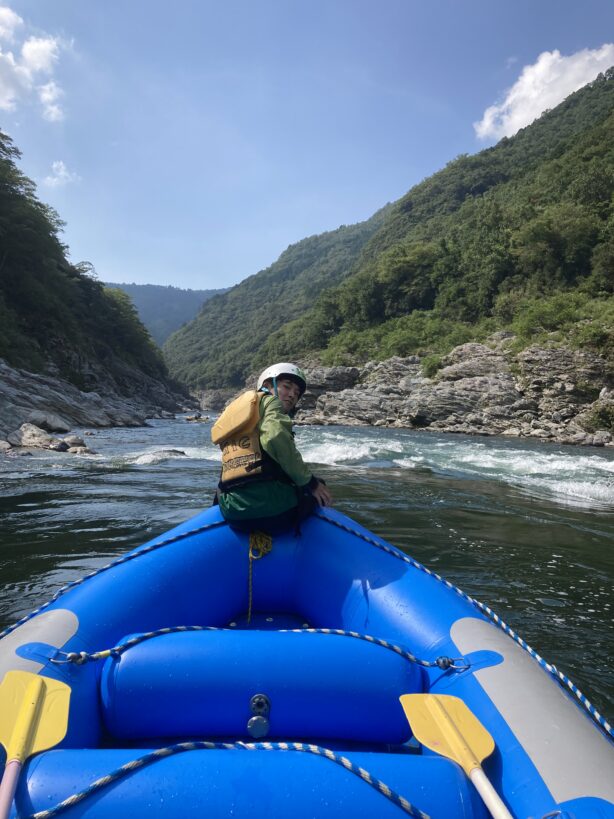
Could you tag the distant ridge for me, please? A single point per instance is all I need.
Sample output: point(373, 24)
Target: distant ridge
point(163, 308)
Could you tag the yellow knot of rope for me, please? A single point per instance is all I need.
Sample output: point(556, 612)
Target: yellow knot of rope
point(260, 544)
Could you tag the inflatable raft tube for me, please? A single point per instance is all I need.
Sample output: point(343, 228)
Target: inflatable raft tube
point(333, 611)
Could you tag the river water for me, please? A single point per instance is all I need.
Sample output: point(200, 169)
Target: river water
point(526, 528)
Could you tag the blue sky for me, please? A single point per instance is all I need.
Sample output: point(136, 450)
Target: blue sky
point(191, 143)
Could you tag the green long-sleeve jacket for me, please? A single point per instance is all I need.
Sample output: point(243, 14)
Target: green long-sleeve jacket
point(262, 499)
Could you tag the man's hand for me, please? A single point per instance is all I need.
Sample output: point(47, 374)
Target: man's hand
point(322, 494)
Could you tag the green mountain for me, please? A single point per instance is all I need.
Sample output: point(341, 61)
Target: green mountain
point(233, 327)
point(164, 309)
point(519, 236)
point(54, 316)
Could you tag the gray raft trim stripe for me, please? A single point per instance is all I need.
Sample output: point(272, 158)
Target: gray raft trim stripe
point(202, 745)
point(572, 758)
point(53, 628)
point(560, 677)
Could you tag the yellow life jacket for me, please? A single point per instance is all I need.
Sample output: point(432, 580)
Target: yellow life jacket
point(236, 433)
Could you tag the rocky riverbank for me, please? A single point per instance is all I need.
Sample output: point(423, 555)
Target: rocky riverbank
point(555, 394)
point(33, 405)
point(548, 393)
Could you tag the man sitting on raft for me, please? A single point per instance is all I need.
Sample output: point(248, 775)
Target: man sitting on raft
point(265, 484)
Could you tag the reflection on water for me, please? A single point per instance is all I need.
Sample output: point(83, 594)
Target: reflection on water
point(525, 527)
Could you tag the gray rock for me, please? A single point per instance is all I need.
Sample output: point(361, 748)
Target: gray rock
point(4, 446)
point(542, 392)
point(214, 400)
point(56, 403)
point(393, 371)
point(48, 421)
point(462, 397)
point(524, 405)
point(539, 432)
point(601, 437)
point(73, 440)
point(352, 407)
point(471, 360)
point(58, 446)
point(30, 435)
point(579, 438)
point(326, 379)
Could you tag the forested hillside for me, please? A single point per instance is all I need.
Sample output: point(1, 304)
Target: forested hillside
point(54, 316)
point(519, 236)
point(165, 309)
point(223, 343)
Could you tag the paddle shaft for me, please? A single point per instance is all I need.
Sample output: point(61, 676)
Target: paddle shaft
point(445, 724)
point(491, 798)
point(8, 786)
point(470, 762)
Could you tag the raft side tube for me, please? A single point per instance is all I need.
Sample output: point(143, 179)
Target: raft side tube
point(246, 784)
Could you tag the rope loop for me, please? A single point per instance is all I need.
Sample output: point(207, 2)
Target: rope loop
point(81, 657)
point(203, 745)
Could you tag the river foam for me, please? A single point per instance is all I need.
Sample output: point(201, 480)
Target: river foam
point(570, 477)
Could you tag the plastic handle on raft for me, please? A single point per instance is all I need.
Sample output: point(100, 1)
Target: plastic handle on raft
point(491, 798)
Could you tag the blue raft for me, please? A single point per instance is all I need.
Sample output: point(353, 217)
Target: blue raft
point(252, 683)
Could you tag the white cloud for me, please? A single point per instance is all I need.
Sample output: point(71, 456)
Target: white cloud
point(11, 82)
point(28, 72)
point(39, 54)
point(49, 94)
point(9, 21)
point(540, 86)
point(60, 175)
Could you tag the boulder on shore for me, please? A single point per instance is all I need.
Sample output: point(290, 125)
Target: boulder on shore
point(31, 435)
point(549, 393)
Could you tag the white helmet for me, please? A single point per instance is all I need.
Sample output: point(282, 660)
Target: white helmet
point(291, 371)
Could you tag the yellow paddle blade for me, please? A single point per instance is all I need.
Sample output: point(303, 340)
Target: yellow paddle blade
point(445, 725)
point(33, 713)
